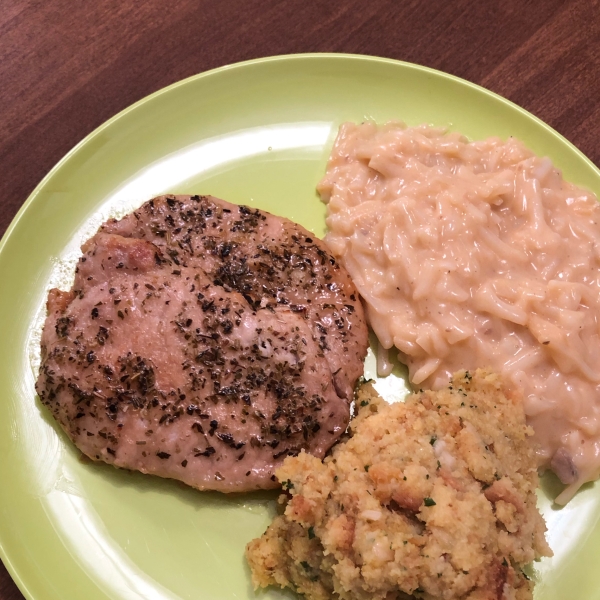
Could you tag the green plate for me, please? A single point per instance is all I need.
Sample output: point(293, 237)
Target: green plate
point(256, 133)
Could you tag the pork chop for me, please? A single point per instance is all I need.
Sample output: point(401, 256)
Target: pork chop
point(205, 342)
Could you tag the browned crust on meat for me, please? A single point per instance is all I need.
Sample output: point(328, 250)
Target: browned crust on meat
point(199, 332)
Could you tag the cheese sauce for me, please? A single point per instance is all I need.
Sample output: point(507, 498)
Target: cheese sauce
point(477, 254)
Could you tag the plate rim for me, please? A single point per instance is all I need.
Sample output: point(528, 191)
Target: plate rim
point(272, 59)
point(14, 571)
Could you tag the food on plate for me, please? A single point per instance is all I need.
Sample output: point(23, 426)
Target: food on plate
point(205, 342)
point(478, 253)
point(433, 497)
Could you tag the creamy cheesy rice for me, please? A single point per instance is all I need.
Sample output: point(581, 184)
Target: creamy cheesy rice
point(472, 254)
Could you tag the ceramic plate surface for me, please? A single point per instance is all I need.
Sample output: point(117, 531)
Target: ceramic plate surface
point(257, 133)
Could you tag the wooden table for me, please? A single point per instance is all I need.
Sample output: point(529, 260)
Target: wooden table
point(66, 67)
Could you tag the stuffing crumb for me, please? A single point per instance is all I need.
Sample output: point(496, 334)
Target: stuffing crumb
point(433, 498)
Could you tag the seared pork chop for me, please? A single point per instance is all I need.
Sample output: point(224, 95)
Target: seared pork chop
point(203, 341)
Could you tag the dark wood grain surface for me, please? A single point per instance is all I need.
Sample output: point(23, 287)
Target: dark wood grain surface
point(67, 66)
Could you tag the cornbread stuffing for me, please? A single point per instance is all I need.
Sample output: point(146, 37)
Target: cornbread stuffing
point(433, 498)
